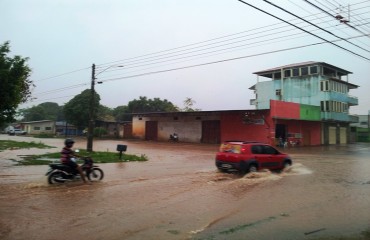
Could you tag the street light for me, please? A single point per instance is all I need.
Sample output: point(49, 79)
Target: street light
point(90, 133)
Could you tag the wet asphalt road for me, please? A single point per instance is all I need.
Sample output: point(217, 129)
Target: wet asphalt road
point(178, 194)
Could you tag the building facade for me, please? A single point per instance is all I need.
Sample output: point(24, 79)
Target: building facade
point(299, 104)
point(39, 127)
point(321, 91)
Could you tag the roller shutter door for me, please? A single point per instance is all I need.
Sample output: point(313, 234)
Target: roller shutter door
point(332, 135)
point(343, 135)
point(211, 132)
point(151, 130)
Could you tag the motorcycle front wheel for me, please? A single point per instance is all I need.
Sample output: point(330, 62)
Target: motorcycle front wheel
point(55, 177)
point(95, 174)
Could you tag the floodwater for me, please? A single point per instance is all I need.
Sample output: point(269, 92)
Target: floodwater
point(178, 194)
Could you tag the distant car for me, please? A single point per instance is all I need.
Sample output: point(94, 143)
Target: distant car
point(17, 132)
point(247, 157)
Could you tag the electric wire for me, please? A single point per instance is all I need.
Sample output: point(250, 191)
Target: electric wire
point(319, 28)
point(102, 65)
point(63, 89)
point(207, 63)
point(340, 5)
point(160, 52)
point(223, 60)
point(333, 16)
point(357, 17)
point(51, 91)
point(300, 27)
point(304, 9)
point(62, 74)
point(170, 56)
point(48, 99)
point(217, 52)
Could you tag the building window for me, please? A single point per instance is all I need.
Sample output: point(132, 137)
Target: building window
point(48, 128)
point(313, 70)
point(277, 75)
point(295, 72)
point(278, 92)
point(304, 71)
point(324, 86)
point(36, 128)
point(287, 73)
point(333, 106)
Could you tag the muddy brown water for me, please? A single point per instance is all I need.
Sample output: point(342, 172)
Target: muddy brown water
point(178, 194)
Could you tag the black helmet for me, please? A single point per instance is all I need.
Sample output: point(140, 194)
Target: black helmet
point(69, 141)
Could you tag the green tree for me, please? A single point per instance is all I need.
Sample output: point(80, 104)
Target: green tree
point(143, 104)
point(43, 111)
point(15, 85)
point(34, 113)
point(105, 113)
point(188, 105)
point(76, 110)
point(121, 113)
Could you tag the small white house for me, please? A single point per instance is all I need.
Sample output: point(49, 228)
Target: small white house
point(39, 127)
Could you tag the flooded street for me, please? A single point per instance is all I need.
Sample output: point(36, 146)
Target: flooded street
point(179, 194)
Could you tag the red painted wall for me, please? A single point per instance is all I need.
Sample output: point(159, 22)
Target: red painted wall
point(233, 127)
point(285, 110)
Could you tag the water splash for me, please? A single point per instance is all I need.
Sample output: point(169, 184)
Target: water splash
point(262, 176)
point(296, 169)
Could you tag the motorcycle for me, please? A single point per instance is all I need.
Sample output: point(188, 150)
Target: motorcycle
point(60, 173)
point(173, 138)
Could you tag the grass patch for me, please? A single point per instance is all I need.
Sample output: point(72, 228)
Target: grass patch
point(98, 157)
point(7, 144)
point(364, 235)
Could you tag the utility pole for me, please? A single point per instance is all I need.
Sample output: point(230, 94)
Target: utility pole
point(90, 133)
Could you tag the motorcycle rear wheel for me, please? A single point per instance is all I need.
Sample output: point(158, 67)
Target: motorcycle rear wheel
point(96, 174)
point(55, 177)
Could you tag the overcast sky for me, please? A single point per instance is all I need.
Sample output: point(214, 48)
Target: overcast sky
point(206, 50)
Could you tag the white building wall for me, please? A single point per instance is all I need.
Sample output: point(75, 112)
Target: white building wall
point(187, 127)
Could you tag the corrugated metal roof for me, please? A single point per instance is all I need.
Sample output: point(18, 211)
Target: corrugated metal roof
point(40, 121)
point(308, 63)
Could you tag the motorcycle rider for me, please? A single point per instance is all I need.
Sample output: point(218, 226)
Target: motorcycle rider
point(66, 157)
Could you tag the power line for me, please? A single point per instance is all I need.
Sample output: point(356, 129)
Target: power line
point(177, 48)
point(184, 55)
point(59, 75)
point(335, 17)
point(317, 27)
point(47, 99)
point(124, 61)
point(63, 89)
point(300, 27)
point(200, 54)
point(220, 61)
point(339, 5)
point(203, 64)
point(305, 9)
